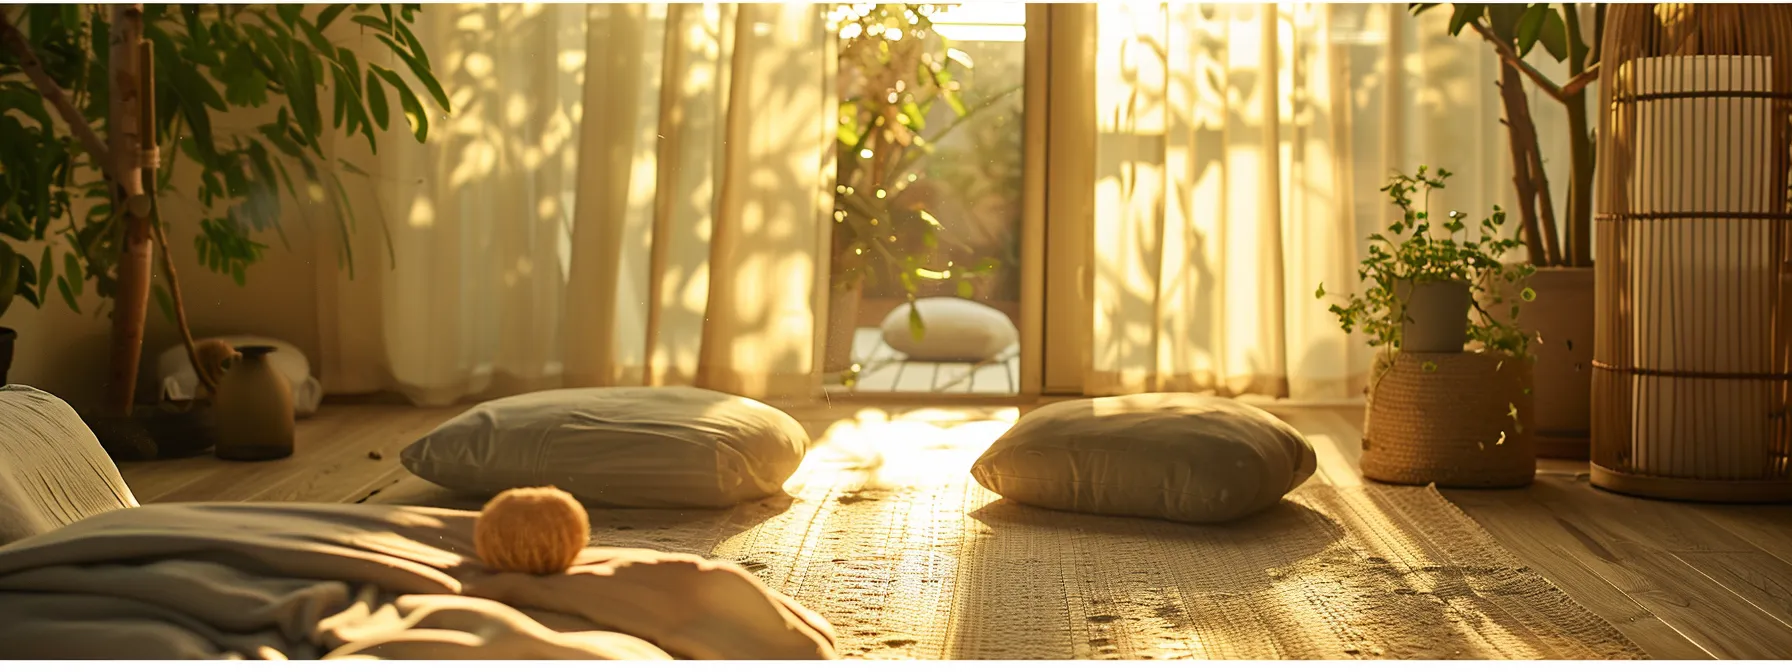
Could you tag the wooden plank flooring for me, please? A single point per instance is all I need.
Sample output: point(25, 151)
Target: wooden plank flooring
point(1684, 581)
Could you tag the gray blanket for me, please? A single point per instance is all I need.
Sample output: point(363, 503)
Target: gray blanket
point(308, 581)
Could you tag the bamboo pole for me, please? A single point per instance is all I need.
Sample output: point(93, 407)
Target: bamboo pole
point(135, 258)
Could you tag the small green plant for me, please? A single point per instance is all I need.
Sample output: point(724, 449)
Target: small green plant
point(1422, 250)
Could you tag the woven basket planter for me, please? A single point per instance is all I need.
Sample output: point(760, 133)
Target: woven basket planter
point(1454, 419)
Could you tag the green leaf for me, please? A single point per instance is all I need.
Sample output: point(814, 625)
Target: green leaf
point(46, 270)
point(376, 100)
point(1320, 293)
point(413, 108)
point(245, 85)
point(315, 36)
point(1530, 26)
point(422, 73)
point(68, 295)
point(1502, 20)
point(71, 270)
point(328, 16)
point(289, 13)
point(373, 23)
point(1465, 12)
point(916, 328)
point(410, 40)
point(1554, 36)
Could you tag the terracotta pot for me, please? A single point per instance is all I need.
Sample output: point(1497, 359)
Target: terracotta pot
point(252, 411)
point(843, 322)
point(1563, 316)
point(1436, 315)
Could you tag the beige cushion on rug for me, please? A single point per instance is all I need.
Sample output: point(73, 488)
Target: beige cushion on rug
point(654, 447)
point(957, 330)
point(1182, 457)
point(52, 470)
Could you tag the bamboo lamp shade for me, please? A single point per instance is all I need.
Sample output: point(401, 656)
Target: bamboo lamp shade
point(1694, 248)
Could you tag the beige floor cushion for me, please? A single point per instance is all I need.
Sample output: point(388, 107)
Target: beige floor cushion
point(179, 383)
point(52, 470)
point(956, 330)
point(1182, 457)
point(653, 447)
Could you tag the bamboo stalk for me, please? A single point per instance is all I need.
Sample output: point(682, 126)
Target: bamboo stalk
point(135, 258)
point(147, 127)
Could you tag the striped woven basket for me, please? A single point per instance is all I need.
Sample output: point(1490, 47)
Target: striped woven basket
point(1454, 419)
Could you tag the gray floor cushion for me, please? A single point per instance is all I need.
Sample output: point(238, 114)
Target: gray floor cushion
point(1183, 457)
point(653, 447)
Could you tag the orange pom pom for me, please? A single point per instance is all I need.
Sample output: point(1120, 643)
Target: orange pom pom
point(531, 531)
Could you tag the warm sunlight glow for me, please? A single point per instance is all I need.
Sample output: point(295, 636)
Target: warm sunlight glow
point(423, 213)
point(983, 22)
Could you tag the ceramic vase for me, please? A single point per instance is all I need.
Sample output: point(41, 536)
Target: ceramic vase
point(252, 410)
point(1436, 315)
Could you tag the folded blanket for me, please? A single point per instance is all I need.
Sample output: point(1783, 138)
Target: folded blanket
point(308, 581)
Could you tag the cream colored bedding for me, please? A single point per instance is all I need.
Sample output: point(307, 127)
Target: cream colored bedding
point(304, 581)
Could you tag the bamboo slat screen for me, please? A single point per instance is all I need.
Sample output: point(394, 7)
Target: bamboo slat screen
point(1694, 279)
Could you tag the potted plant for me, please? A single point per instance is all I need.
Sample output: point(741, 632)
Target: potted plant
point(1563, 313)
point(1432, 285)
point(894, 71)
point(152, 77)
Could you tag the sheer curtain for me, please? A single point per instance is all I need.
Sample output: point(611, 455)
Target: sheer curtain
point(624, 194)
point(1240, 149)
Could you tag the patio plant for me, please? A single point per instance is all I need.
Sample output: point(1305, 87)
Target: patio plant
point(894, 72)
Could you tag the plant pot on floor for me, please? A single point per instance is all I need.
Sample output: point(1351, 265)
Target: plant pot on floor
point(1562, 314)
point(1459, 420)
point(1436, 318)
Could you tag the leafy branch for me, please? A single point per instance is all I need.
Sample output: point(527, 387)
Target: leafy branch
point(895, 70)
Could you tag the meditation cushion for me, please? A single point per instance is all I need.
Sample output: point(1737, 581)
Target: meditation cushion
point(650, 447)
point(179, 383)
point(957, 330)
point(1181, 457)
point(52, 470)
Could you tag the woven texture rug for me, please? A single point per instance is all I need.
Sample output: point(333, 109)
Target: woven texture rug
point(910, 558)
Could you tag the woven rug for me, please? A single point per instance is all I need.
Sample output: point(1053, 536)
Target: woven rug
point(910, 558)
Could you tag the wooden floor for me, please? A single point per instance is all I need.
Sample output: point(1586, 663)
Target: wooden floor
point(1683, 581)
